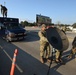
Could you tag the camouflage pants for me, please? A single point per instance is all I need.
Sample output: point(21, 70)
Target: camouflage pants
point(58, 54)
point(4, 13)
point(73, 51)
point(45, 50)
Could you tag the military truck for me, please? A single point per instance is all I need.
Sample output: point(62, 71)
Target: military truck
point(11, 30)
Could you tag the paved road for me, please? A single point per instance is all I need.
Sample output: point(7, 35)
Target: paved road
point(28, 62)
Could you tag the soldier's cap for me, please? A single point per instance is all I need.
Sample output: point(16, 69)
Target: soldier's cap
point(43, 25)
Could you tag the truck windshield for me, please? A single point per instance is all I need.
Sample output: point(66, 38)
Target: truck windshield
point(12, 26)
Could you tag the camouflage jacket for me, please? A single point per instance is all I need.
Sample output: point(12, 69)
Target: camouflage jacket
point(42, 35)
point(74, 42)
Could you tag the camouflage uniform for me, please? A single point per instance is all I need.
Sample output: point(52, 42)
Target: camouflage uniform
point(58, 54)
point(73, 51)
point(3, 11)
point(44, 45)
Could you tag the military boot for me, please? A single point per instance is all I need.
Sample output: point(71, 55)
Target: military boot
point(57, 60)
point(48, 60)
point(42, 60)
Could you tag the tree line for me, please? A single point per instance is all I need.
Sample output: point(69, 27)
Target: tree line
point(26, 23)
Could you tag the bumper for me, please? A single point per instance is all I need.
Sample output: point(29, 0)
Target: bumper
point(16, 38)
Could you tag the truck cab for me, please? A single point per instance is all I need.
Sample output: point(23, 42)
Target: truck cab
point(12, 31)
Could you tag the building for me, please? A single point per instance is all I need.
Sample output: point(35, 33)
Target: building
point(40, 19)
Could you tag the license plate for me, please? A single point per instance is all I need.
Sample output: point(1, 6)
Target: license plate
point(15, 38)
point(20, 37)
point(20, 34)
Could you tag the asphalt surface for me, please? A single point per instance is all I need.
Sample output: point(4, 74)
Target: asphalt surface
point(28, 60)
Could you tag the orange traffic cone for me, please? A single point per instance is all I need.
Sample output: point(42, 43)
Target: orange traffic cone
point(13, 62)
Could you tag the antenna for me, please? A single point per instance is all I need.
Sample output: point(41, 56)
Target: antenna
point(4, 3)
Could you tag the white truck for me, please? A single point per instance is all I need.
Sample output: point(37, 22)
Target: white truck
point(74, 30)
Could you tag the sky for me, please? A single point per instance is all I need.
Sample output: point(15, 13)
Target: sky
point(62, 11)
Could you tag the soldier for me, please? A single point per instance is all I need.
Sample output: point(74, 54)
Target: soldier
point(59, 53)
point(58, 56)
point(73, 50)
point(3, 11)
point(44, 44)
point(63, 30)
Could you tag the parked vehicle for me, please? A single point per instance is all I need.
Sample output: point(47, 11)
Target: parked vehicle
point(74, 30)
point(11, 30)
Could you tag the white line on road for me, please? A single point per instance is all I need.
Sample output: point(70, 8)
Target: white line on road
point(11, 60)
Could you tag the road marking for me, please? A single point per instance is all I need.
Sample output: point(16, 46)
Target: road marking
point(11, 60)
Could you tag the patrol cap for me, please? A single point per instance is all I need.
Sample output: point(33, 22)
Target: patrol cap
point(43, 25)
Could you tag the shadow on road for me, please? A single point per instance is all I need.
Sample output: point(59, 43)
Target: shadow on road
point(26, 62)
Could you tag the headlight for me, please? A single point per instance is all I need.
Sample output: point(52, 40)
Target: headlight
point(11, 34)
point(25, 33)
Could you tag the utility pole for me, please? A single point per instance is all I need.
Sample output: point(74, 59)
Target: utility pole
point(58, 24)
